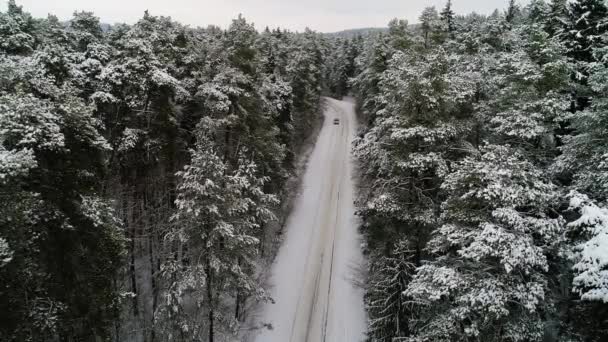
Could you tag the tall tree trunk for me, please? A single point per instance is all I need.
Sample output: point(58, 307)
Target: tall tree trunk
point(116, 321)
point(237, 308)
point(131, 229)
point(210, 300)
point(153, 286)
point(154, 290)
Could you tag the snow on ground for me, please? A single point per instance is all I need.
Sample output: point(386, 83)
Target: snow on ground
point(313, 279)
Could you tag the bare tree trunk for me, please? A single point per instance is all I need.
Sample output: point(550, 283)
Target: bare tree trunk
point(239, 299)
point(153, 284)
point(237, 308)
point(131, 229)
point(150, 230)
point(210, 299)
point(116, 321)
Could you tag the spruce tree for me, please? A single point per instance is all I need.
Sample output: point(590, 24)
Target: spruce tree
point(586, 22)
point(428, 24)
point(219, 213)
point(512, 11)
point(447, 16)
point(557, 17)
point(537, 11)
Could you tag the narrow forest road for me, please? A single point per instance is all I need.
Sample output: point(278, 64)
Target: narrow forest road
point(313, 277)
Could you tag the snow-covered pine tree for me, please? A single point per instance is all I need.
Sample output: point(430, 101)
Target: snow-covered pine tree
point(305, 74)
point(537, 11)
point(512, 12)
point(584, 150)
point(582, 165)
point(372, 62)
point(591, 253)
point(17, 30)
point(530, 86)
point(589, 278)
point(219, 214)
point(430, 25)
point(447, 16)
point(341, 65)
point(556, 17)
point(389, 275)
point(489, 279)
point(586, 22)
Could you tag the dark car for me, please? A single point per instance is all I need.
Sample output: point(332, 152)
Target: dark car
point(336, 121)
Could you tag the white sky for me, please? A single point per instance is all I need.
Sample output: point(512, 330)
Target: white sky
point(319, 15)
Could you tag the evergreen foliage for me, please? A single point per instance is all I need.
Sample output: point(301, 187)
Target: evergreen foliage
point(484, 200)
point(139, 168)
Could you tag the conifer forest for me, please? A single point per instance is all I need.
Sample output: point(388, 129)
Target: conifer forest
point(148, 173)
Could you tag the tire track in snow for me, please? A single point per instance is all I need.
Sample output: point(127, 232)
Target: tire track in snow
point(315, 299)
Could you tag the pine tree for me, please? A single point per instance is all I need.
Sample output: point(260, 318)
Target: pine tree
point(587, 233)
point(584, 28)
point(219, 211)
point(86, 28)
point(304, 73)
point(530, 87)
point(556, 17)
point(389, 276)
point(584, 148)
point(400, 36)
point(512, 11)
point(428, 24)
point(405, 155)
point(591, 279)
point(489, 280)
point(16, 30)
point(373, 61)
point(447, 16)
point(537, 11)
point(341, 64)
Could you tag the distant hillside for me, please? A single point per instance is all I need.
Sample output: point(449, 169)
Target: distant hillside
point(357, 32)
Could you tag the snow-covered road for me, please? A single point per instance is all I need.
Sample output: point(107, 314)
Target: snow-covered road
point(313, 277)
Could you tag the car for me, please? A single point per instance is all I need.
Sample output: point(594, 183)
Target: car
point(336, 121)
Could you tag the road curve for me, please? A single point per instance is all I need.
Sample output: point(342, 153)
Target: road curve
point(312, 278)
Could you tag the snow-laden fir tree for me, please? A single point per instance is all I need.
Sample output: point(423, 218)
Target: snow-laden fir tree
point(556, 17)
point(530, 90)
point(537, 11)
point(583, 154)
point(219, 214)
point(586, 22)
point(591, 254)
point(390, 273)
point(512, 12)
point(447, 16)
point(489, 279)
point(430, 25)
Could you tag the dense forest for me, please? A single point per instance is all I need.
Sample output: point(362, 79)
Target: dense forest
point(140, 169)
point(145, 172)
point(484, 174)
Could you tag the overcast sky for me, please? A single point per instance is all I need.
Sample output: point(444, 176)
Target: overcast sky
point(320, 15)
